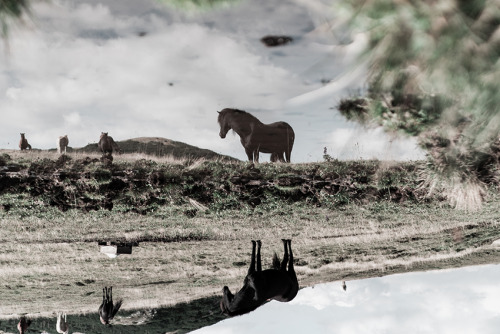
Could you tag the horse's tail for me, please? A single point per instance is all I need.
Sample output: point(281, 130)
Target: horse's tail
point(276, 262)
point(114, 145)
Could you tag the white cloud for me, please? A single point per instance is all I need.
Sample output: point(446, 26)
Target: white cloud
point(88, 59)
point(358, 142)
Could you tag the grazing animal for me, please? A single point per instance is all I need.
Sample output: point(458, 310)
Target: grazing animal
point(23, 325)
point(107, 144)
point(108, 310)
point(62, 144)
point(260, 285)
point(62, 325)
point(275, 138)
point(23, 143)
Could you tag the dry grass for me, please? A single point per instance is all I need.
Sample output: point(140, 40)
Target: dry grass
point(30, 156)
point(44, 269)
point(50, 259)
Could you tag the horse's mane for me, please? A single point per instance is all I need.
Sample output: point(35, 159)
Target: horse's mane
point(239, 112)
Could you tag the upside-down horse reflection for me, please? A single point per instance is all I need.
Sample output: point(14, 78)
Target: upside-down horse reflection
point(108, 310)
point(261, 286)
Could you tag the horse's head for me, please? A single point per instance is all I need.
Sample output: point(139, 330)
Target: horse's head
point(104, 321)
point(224, 123)
point(103, 135)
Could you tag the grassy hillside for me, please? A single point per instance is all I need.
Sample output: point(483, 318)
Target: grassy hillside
point(156, 146)
point(194, 221)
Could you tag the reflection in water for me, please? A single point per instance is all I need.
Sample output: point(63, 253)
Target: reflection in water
point(113, 249)
point(23, 325)
point(62, 323)
point(278, 283)
point(465, 300)
point(181, 318)
point(108, 310)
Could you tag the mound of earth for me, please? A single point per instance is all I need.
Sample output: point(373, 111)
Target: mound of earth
point(160, 147)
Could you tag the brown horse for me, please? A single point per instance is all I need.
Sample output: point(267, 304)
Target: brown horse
point(23, 143)
point(62, 324)
point(108, 310)
point(107, 144)
point(62, 144)
point(262, 285)
point(275, 138)
point(23, 325)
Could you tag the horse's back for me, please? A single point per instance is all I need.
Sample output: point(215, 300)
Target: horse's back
point(274, 138)
point(279, 285)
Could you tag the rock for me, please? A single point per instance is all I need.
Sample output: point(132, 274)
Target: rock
point(272, 41)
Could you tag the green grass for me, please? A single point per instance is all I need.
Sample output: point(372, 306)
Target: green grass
point(348, 220)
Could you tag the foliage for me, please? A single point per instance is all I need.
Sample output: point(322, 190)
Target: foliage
point(433, 75)
point(11, 11)
point(147, 186)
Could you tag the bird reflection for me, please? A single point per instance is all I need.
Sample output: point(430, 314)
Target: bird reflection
point(108, 310)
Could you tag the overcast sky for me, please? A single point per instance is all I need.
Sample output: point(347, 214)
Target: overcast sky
point(138, 68)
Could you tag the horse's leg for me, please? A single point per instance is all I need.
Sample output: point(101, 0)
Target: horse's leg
point(256, 154)
point(293, 276)
point(259, 265)
point(290, 263)
point(249, 153)
point(285, 256)
point(252, 260)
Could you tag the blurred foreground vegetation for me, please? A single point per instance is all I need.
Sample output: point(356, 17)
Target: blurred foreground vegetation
point(434, 69)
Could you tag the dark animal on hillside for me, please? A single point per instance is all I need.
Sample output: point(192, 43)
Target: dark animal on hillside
point(23, 325)
point(275, 138)
point(261, 286)
point(107, 145)
point(108, 310)
point(23, 143)
point(62, 144)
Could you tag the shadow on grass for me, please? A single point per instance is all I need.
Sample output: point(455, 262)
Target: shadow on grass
point(181, 318)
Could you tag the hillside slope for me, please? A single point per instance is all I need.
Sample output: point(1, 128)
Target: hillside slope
point(159, 147)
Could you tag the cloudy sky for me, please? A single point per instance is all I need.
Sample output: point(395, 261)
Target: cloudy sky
point(138, 68)
point(465, 300)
